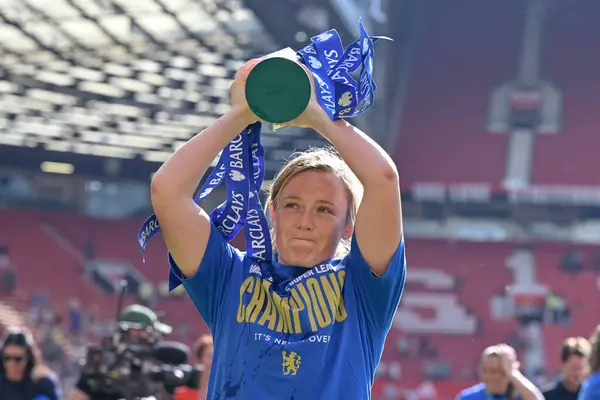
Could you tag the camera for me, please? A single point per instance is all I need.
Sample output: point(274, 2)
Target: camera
point(135, 362)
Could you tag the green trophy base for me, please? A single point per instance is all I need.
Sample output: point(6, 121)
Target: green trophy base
point(278, 90)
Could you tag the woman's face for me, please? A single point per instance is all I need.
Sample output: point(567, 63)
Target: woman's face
point(493, 375)
point(575, 369)
point(14, 359)
point(310, 218)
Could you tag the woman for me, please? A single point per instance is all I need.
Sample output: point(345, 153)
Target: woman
point(311, 324)
point(574, 358)
point(23, 376)
point(590, 390)
point(501, 378)
point(204, 353)
point(203, 350)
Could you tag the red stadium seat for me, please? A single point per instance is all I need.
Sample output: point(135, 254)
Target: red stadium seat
point(465, 275)
point(580, 290)
point(570, 61)
point(443, 137)
point(45, 265)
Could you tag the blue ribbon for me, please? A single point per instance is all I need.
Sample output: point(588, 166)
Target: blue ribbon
point(242, 166)
point(337, 91)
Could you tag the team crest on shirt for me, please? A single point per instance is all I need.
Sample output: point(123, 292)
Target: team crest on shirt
point(291, 362)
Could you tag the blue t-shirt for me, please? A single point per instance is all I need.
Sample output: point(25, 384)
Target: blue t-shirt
point(478, 392)
point(286, 333)
point(46, 388)
point(590, 390)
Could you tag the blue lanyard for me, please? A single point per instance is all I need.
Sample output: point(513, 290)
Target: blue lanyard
point(242, 168)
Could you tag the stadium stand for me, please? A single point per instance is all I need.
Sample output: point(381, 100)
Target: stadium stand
point(443, 133)
point(117, 81)
point(568, 158)
point(140, 99)
point(448, 304)
point(58, 267)
point(577, 289)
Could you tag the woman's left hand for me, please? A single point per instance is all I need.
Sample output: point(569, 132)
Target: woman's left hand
point(508, 357)
point(313, 116)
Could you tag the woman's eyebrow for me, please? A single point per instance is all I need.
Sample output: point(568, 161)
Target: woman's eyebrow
point(322, 201)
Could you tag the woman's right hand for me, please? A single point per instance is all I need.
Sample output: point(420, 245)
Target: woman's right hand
point(508, 358)
point(237, 91)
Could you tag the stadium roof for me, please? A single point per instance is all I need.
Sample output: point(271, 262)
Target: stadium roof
point(86, 25)
point(129, 80)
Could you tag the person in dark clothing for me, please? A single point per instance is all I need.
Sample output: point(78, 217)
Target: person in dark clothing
point(574, 354)
point(22, 374)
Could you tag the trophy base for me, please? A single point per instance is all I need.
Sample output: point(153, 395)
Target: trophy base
point(278, 90)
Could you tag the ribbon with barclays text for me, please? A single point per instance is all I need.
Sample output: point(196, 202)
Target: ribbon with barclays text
point(336, 90)
point(241, 165)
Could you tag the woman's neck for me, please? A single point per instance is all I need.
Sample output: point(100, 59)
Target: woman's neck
point(282, 261)
point(19, 380)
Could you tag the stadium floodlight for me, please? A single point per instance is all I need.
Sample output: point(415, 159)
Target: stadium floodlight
point(57, 168)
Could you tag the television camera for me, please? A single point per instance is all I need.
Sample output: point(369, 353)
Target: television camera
point(134, 362)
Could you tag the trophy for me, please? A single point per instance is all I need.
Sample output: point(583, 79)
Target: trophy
point(278, 88)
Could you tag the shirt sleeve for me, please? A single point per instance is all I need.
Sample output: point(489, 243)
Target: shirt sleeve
point(207, 287)
point(468, 394)
point(590, 389)
point(548, 394)
point(49, 388)
point(378, 296)
point(461, 396)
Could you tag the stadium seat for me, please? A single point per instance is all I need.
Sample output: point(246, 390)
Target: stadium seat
point(580, 290)
point(442, 136)
point(569, 157)
point(455, 283)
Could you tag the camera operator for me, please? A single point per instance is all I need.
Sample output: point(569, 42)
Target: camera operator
point(134, 363)
point(574, 354)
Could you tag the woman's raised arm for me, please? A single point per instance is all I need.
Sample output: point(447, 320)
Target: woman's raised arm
point(184, 225)
point(378, 228)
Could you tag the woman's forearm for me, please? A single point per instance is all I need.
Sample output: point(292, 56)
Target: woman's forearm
point(525, 387)
point(369, 162)
point(378, 227)
point(182, 172)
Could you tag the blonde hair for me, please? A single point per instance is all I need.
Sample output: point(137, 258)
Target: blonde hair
point(324, 159)
point(491, 351)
